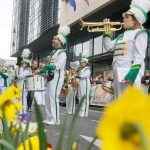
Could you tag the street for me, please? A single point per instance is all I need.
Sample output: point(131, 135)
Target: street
point(84, 128)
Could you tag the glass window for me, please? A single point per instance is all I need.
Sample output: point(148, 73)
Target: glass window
point(59, 8)
point(78, 51)
point(86, 46)
point(98, 45)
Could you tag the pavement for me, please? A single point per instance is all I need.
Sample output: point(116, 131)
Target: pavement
point(83, 132)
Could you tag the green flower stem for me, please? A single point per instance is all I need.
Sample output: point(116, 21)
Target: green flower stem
point(60, 140)
point(91, 144)
point(72, 125)
point(7, 145)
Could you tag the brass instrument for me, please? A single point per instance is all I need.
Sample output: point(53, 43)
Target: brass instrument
point(65, 87)
point(74, 80)
point(106, 27)
point(14, 81)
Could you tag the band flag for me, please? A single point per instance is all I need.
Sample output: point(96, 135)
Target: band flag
point(73, 4)
point(87, 1)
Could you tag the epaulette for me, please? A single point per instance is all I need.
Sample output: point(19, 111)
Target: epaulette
point(141, 30)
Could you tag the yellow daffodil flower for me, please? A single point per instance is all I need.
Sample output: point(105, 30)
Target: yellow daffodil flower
point(126, 123)
point(10, 106)
point(11, 110)
point(34, 141)
point(10, 94)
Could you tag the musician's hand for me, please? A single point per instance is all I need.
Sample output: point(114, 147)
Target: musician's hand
point(42, 65)
point(15, 77)
point(37, 72)
point(126, 81)
point(106, 20)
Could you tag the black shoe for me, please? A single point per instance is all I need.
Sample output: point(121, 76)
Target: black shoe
point(27, 109)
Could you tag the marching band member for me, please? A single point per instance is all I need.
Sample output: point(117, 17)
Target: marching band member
point(84, 84)
point(31, 94)
point(21, 78)
point(3, 79)
point(55, 71)
point(129, 48)
point(72, 90)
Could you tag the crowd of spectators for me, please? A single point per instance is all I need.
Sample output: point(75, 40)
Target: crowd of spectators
point(99, 79)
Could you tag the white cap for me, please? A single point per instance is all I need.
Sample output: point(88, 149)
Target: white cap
point(62, 34)
point(139, 9)
point(85, 56)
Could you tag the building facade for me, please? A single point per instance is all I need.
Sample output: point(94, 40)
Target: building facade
point(35, 22)
point(96, 11)
point(33, 26)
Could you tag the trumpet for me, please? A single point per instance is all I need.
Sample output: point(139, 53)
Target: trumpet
point(106, 27)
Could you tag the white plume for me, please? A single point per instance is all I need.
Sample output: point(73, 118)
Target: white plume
point(64, 30)
point(74, 64)
point(26, 53)
point(144, 4)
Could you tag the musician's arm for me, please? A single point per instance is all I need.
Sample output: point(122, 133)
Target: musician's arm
point(61, 60)
point(4, 75)
point(108, 44)
point(86, 74)
point(24, 74)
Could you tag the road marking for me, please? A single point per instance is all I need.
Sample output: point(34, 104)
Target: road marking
point(97, 142)
point(96, 111)
point(95, 121)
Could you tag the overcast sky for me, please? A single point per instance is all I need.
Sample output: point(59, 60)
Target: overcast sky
point(6, 7)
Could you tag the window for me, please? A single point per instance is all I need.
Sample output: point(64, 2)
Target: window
point(78, 51)
point(86, 46)
point(98, 45)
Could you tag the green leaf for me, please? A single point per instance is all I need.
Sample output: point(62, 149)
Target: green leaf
point(72, 125)
point(7, 145)
point(16, 140)
point(41, 133)
point(25, 133)
point(60, 140)
point(7, 135)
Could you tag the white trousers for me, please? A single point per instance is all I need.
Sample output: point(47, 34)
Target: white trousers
point(84, 89)
point(70, 100)
point(2, 89)
point(52, 92)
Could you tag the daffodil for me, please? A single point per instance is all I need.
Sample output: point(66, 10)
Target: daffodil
point(8, 104)
point(34, 141)
point(126, 123)
point(10, 94)
point(32, 127)
point(11, 109)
